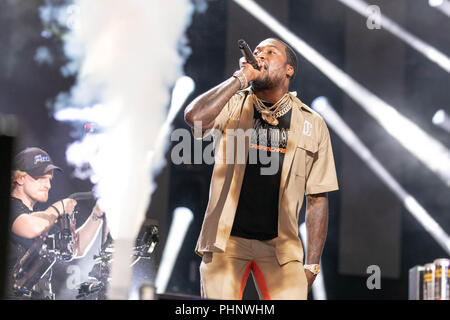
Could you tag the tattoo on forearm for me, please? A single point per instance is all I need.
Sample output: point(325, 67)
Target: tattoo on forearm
point(316, 225)
point(206, 107)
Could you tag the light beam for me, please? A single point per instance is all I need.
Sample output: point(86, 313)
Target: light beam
point(428, 150)
point(421, 46)
point(322, 106)
point(182, 218)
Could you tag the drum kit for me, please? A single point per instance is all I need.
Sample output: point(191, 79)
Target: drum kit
point(59, 246)
point(146, 242)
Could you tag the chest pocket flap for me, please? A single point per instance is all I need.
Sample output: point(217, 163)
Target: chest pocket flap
point(304, 156)
point(308, 144)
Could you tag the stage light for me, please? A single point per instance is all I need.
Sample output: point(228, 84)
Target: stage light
point(97, 113)
point(318, 287)
point(443, 6)
point(441, 119)
point(424, 48)
point(435, 3)
point(322, 106)
point(182, 218)
point(183, 88)
point(428, 150)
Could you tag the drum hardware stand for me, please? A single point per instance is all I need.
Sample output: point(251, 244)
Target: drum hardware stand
point(146, 242)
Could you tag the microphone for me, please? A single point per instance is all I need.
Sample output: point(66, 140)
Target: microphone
point(247, 53)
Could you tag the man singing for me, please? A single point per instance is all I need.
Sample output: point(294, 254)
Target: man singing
point(251, 221)
point(31, 182)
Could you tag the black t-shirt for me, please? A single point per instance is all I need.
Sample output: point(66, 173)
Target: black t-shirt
point(257, 211)
point(18, 246)
point(17, 209)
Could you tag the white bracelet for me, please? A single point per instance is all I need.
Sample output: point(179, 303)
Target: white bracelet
point(96, 217)
point(242, 78)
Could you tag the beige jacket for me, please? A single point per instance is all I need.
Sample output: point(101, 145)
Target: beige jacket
point(308, 167)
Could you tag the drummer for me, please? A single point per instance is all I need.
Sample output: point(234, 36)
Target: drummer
point(31, 181)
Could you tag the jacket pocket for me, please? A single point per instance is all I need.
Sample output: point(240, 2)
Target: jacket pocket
point(304, 156)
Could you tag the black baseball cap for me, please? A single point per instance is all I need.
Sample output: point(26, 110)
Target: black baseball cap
point(34, 161)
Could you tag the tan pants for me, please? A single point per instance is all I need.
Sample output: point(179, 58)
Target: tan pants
point(224, 275)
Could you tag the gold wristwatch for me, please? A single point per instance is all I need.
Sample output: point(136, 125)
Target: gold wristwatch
point(314, 268)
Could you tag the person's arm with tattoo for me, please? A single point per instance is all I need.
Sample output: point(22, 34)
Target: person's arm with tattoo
point(316, 226)
point(205, 108)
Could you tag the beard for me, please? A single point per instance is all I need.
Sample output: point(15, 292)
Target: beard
point(267, 82)
point(41, 196)
point(263, 84)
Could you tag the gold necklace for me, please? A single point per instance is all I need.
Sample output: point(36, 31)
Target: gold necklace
point(270, 114)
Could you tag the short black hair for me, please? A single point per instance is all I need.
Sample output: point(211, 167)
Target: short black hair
point(291, 57)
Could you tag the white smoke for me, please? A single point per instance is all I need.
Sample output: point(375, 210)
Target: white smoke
point(128, 55)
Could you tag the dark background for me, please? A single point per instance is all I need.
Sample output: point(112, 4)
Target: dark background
point(368, 225)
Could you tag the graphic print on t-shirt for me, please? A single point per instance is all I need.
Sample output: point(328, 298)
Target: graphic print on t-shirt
point(268, 137)
point(268, 143)
point(257, 211)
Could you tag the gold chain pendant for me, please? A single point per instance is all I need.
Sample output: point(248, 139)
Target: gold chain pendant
point(269, 118)
point(270, 114)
